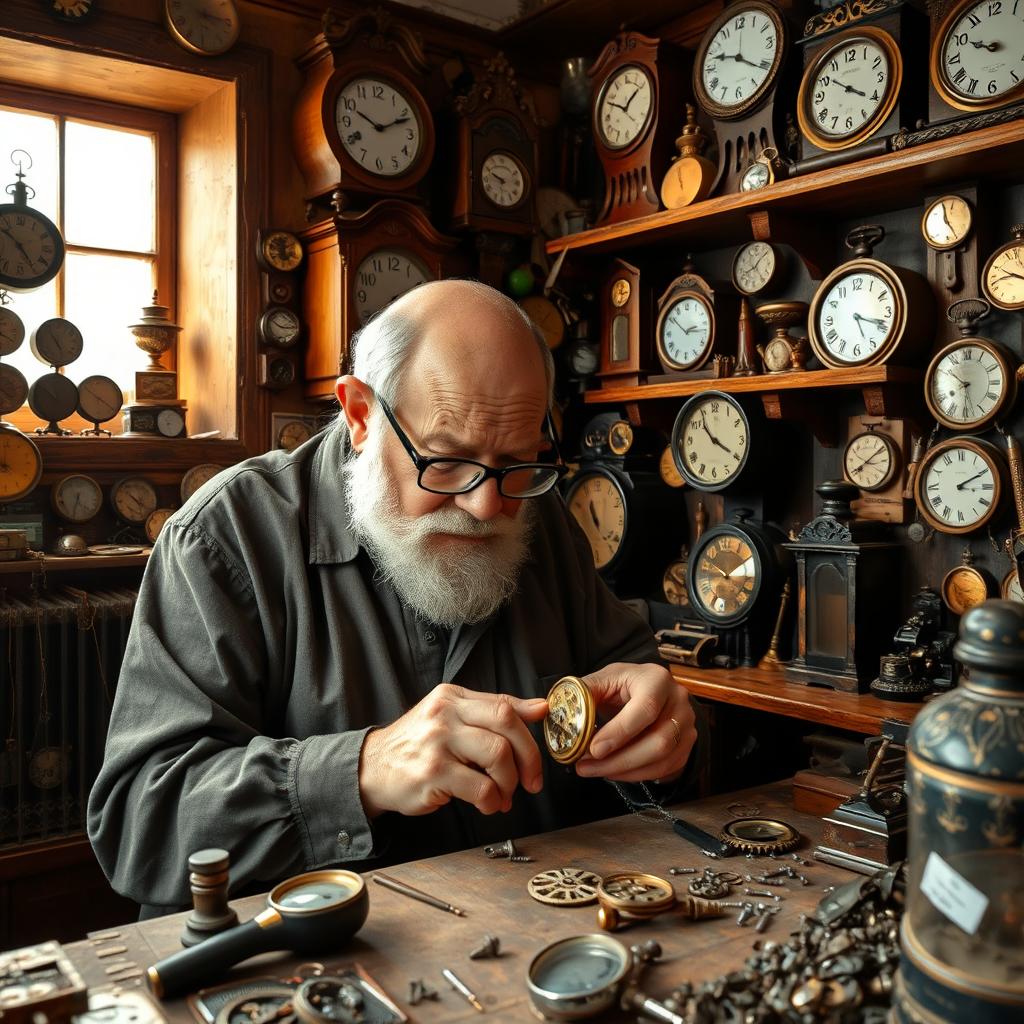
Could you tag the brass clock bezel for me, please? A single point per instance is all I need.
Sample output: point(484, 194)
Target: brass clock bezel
point(864, 264)
point(989, 453)
point(742, 611)
point(729, 112)
point(936, 67)
point(18, 437)
point(1002, 356)
point(671, 300)
point(1006, 582)
point(805, 119)
point(668, 471)
point(947, 580)
point(947, 246)
point(267, 261)
point(649, 121)
point(1017, 242)
point(620, 447)
point(895, 460)
point(182, 40)
point(620, 291)
point(664, 899)
point(581, 742)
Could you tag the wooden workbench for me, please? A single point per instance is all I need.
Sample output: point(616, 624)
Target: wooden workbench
point(403, 939)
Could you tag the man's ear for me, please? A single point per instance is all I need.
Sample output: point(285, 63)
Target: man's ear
point(356, 399)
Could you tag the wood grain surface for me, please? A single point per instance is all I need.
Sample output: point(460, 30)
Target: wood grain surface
point(403, 939)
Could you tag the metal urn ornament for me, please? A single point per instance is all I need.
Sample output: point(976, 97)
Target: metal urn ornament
point(961, 937)
point(155, 333)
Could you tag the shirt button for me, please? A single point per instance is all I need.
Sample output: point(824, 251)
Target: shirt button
point(344, 840)
point(430, 636)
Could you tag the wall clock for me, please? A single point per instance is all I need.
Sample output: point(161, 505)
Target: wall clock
point(711, 440)
point(639, 95)
point(362, 123)
point(757, 267)
point(740, 66)
point(1002, 280)
point(206, 27)
point(23, 465)
point(278, 251)
point(31, 247)
point(12, 331)
point(495, 174)
point(867, 312)
point(976, 61)
point(367, 259)
point(626, 308)
point(56, 342)
point(13, 389)
point(196, 477)
point(959, 484)
point(871, 460)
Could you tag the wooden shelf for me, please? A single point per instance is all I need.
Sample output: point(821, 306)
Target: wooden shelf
point(54, 563)
point(769, 691)
point(874, 185)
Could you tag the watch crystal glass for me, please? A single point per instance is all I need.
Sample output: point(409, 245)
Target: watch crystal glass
point(757, 175)
point(856, 317)
point(379, 126)
point(686, 331)
point(739, 59)
point(981, 56)
point(851, 84)
point(625, 107)
point(959, 485)
point(967, 385)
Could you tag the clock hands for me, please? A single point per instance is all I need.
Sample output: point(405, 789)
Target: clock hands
point(21, 248)
point(960, 486)
point(991, 47)
point(630, 100)
point(848, 88)
point(370, 120)
point(714, 440)
point(593, 514)
point(869, 320)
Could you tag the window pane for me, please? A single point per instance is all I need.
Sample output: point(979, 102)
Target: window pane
point(109, 188)
point(37, 135)
point(102, 296)
point(33, 307)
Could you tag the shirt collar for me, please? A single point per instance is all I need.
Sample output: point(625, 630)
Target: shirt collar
point(330, 539)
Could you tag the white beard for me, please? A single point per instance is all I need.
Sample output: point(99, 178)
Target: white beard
point(448, 583)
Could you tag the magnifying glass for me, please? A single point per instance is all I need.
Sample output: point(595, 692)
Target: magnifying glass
point(313, 913)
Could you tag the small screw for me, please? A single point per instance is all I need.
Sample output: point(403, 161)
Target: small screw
point(682, 871)
point(745, 914)
point(786, 870)
point(800, 860)
point(766, 880)
point(519, 859)
point(762, 892)
point(804, 880)
point(505, 849)
point(488, 949)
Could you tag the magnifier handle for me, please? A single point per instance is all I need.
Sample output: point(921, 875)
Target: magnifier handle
point(186, 971)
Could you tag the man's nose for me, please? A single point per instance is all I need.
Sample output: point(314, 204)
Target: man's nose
point(483, 502)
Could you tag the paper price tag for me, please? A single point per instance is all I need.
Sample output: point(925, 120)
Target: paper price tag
point(953, 895)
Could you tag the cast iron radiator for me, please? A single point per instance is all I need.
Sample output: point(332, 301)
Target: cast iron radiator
point(60, 655)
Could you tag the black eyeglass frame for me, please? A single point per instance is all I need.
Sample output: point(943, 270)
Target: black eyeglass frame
point(424, 462)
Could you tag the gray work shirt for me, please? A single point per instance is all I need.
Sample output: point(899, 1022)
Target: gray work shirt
point(263, 649)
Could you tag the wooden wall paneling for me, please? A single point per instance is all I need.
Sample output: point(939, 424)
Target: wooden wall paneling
point(323, 308)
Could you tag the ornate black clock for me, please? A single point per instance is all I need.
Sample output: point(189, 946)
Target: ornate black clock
point(31, 247)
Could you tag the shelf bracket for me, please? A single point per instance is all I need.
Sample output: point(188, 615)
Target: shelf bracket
point(812, 246)
point(787, 405)
point(893, 402)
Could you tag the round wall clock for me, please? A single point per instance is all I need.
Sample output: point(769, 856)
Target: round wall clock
point(12, 331)
point(850, 89)
point(383, 276)
point(977, 56)
point(685, 332)
point(23, 465)
point(279, 250)
point(959, 484)
point(871, 460)
point(547, 318)
point(756, 267)
point(726, 573)
point(1010, 588)
point(739, 58)
point(56, 342)
point(964, 586)
point(133, 499)
point(13, 389)
point(597, 501)
point(1002, 280)
point(206, 27)
point(31, 247)
point(947, 222)
point(99, 399)
point(279, 326)
point(53, 397)
point(76, 498)
point(196, 477)
point(624, 108)
point(711, 440)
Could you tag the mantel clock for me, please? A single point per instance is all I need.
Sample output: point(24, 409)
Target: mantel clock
point(496, 138)
point(861, 79)
point(739, 79)
point(685, 332)
point(362, 124)
point(639, 100)
point(368, 259)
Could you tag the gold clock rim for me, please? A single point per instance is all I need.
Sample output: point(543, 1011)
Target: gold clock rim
point(1014, 243)
point(56, 489)
point(1004, 585)
point(880, 269)
point(37, 473)
point(527, 179)
point(629, 444)
point(961, 570)
point(12, 371)
point(937, 74)
point(947, 246)
point(1001, 355)
point(988, 452)
point(629, 906)
point(667, 456)
point(733, 113)
point(670, 303)
point(265, 238)
point(645, 129)
point(776, 268)
point(742, 613)
point(586, 734)
point(180, 38)
point(885, 108)
point(894, 460)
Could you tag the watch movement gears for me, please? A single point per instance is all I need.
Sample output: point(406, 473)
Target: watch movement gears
point(570, 722)
point(638, 894)
point(565, 887)
point(760, 836)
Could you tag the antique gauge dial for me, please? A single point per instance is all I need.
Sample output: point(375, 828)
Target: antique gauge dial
point(379, 125)
point(667, 469)
point(279, 250)
point(964, 586)
point(53, 397)
point(711, 440)
point(547, 317)
point(206, 27)
point(760, 836)
point(99, 399)
point(12, 331)
point(959, 483)
point(685, 331)
point(871, 460)
point(170, 422)
point(76, 498)
point(56, 342)
point(850, 89)
point(1002, 280)
point(739, 59)
point(280, 326)
point(155, 522)
point(571, 720)
point(292, 434)
point(383, 276)
point(196, 477)
point(31, 247)
point(598, 503)
point(13, 389)
point(21, 465)
point(726, 574)
point(503, 179)
point(624, 107)
point(760, 173)
point(977, 58)
point(756, 267)
point(947, 222)
point(133, 499)
point(1010, 588)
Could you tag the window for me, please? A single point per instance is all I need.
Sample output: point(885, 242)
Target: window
point(98, 173)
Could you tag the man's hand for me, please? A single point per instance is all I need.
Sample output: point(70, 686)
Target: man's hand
point(454, 743)
point(652, 732)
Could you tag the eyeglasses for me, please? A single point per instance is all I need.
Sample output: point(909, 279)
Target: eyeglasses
point(442, 475)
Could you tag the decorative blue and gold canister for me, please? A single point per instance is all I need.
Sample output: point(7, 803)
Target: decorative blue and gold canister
point(962, 935)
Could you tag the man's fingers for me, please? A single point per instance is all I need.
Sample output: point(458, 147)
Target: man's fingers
point(500, 718)
point(529, 709)
point(662, 750)
point(638, 713)
point(491, 753)
point(472, 787)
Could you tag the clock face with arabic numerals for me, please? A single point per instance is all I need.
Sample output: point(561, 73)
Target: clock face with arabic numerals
point(379, 126)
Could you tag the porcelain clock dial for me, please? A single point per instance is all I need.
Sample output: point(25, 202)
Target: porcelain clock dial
point(625, 107)
point(686, 331)
point(958, 485)
point(384, 275)
point(502, 179)
point(851, 84)
point(378, 126)
point(967, 384)
point(600, 509)
point(870, 460)
point(739, 61)
point(710, 441)
point(979, 60)
point(856, 317)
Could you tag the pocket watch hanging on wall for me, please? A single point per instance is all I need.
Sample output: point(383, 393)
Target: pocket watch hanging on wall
point(31, 247)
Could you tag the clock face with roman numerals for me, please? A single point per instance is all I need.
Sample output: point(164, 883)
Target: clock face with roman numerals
point(958, 485)
point(856, 318)
point(968, 384)
point(979, 56)
point(382, 277)
point(379, 126)
point(625, 107)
